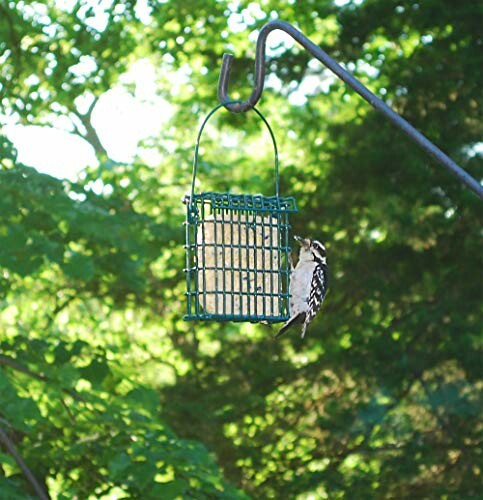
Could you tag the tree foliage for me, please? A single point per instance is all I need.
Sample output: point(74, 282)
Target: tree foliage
point(106, 392)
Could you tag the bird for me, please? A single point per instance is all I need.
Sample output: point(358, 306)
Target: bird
point(309, 282)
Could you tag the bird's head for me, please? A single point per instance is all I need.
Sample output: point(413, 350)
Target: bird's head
point(312, 249)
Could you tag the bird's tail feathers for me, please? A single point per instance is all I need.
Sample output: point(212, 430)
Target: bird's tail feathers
point(304, 328)
point(291, 322)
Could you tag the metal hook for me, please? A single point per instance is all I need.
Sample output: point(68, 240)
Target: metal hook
point(364, 92)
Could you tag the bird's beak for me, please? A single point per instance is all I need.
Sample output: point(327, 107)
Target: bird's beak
point(305, 243)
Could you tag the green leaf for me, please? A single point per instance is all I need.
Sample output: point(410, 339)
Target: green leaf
point(80, 266)
point(148, 399)
point(96, 371)
point(19, 411)
point(119, 465)
point(172, 490)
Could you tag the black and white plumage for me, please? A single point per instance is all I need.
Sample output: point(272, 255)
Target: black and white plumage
point(309, 281)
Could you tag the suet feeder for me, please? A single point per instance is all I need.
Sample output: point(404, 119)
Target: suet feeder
point(237, 251)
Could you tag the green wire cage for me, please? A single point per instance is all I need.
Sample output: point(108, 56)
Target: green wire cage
point(237, 251)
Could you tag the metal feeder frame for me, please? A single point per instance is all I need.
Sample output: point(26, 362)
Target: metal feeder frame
point(237, 251)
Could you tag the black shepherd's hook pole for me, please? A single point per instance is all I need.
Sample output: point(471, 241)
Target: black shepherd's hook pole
point(344, 75)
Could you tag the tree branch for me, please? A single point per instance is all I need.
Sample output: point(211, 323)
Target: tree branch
point(7, 442)
point(58, 308)
point(7, 361)
point(10, 362)
point(91, 135)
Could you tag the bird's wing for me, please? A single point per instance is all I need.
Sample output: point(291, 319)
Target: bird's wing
point(318, 289)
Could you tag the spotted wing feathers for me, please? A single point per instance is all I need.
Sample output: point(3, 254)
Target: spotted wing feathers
point(318, 289)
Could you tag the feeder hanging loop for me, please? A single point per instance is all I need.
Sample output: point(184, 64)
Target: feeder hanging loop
point(242, 106)
point(200, 132)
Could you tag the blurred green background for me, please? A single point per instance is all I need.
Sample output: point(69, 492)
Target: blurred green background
point(105, 392)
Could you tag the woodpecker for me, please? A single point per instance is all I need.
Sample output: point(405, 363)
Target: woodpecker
point(309, 281)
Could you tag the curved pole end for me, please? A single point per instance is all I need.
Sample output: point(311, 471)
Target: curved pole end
point(234, 106)
point(224, 77)
point(223, 82)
